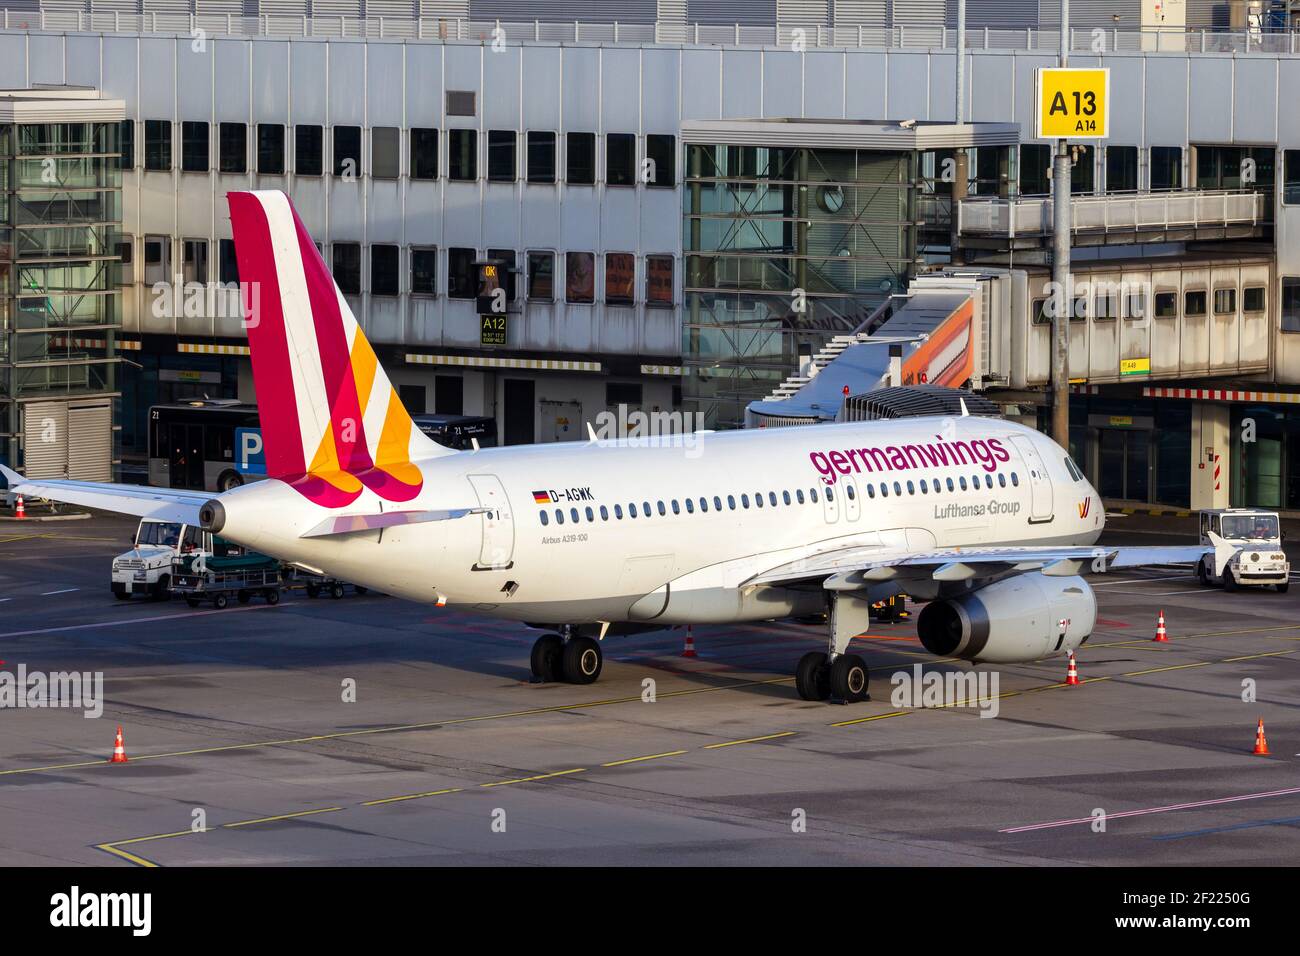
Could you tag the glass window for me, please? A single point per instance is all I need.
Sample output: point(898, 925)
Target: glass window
point(559, 516)
point(771, 498)
point(661, 156)
point(157, 144)
point(1038, 312)
point(541, 276)
point(620, 159)
point(125, 250)
point(270, 149)
point(347, 267)
point(1015, 479)
point(704, 505)
point(545, 519)
point(662, 508)
point(462, 276)
point(227, 265)
point(659, 281)
point(194, 260)
point(1035, 162)
point(591, 515)
point(1166, 305)
point(424, 271)
point(1225, 301)
point(541, 157)
point(677, 508)
point(384, 270)
point(1194, 302)
point(126, 144)
point(1137, 305)
point(462, 154)
point(1107, 306)
point(195, 155)
point(690, 506)
point(1121, 168)
point(618, 511)
point(620, 277)
point(785, 496)
point(1291, 177)
point(508, 270)
point(1253, 298)
point(501, 155)
point(424, 153)
point(580, 277)
point(232, 148)
point(580, 150)
point(308, 150)
point(385, 152)
point(1166, 167)
point(1290, 304)
point(347, 151)
point(604, 512)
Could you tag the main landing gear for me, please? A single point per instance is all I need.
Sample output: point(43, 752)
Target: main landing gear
point(572, 658)
point(834, 675)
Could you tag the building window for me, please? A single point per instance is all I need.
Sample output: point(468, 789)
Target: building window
point(622, 393)
point(620, 278)
point(507, 258)
point(227, 264)
point(580, 150)
point(1121, 169)
point(194, 260)
point(157, 259)
point(1225, 301)
point(659, 280)
point(385, 152)
point(1193, 303)
point(347, 267)
point(1035, 165)
point(1137, 305)
point(347, 151)
point(424, 271)
point(1166, 305)
point(541, 157)
point(460, 102)
point(308, 150)
point(501, 155)
point(126, 144)
point(1291, 177)
point(157, 144)
point(232, 148)
point(462, 277)
point(424, 153)
point(384, 270)
point(1107, 306)
point(1290, 304)
point(661, 151)
point(462, 154)
point(1254, 298)
point(449, 395)
point(1166, 167)
point(125, 250)
point(620, 159)
point(270, 149)
point(541, 276)
point(195, 154)
point(1083, 177)
point(580, 277)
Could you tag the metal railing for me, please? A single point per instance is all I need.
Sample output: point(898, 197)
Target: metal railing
point(789, 35)
point(1116, 212)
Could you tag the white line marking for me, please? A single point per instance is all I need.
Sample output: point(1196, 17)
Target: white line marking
point(64, 591)
point(1165, 809)
point(133, 620)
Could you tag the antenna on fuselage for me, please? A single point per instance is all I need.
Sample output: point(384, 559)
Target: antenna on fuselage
point(591, 433)
point(964, 412)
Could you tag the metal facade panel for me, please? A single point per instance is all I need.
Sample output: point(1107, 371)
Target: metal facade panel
point(758, 12)
point(909, 86)
point(1255, 100)
point(271, 82)
point(620, 107)
point(90, 441)
point(543, 68)
point(1210, 96)
point(700, 71)
point(742, 84)
point(347, 84)
point(866, 79)
point(823, 84)
point(783, 93)
point(1165, 100)
point(384, 83)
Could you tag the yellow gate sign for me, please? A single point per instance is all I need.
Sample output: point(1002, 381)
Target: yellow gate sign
point(1073, 103)
point(1135, 366)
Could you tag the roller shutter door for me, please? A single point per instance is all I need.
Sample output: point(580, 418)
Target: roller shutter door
point(90, 441)
point(45, 439)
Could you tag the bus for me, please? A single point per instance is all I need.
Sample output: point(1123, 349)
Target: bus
point(216, 444)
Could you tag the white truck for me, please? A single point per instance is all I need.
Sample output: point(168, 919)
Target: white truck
point(147, 568)
point(1257, 537)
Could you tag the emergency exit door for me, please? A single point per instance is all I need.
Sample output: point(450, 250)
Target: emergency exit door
point(498, 546)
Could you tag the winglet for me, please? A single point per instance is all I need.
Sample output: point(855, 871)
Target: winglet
point(1223, 553)
point(11, 477)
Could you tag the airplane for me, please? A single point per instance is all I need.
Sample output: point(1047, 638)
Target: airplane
point(988, 521)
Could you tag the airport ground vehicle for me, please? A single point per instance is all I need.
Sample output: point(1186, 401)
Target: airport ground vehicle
point(1256, 535)
point(147, 567)
point(233, 572)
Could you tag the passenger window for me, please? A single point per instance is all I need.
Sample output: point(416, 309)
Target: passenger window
point(591, 516)
point(573, 512)
point(812, 494)
point(645, 507)
point(771, 497)
point(785, 496)
point(758, 500)
point(851, 493)
point(884, 490)
point(690, 506)
point(546, 519)
point(717, 503)
point(618, 512)
point(677, 508)
point(798, 495)
point(988, 480)
point(911, 488)
point(604, 513)
point(925, 488)
point(830, 494)
point(704, 506)
point(1015, 479)
point(898, 489)
point(559, 516)
point(631, 509)
point(662, 509)
point(1166, 305)
point(731, 502)
point(962, 481)
point(1002, 480)
point(871, 491)
point(1194, 302)
point(744, 501)
point(950, 484)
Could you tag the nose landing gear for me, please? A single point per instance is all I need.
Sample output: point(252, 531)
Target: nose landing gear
point(577, 660)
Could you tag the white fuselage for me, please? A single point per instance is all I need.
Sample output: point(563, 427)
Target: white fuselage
point(591, 553)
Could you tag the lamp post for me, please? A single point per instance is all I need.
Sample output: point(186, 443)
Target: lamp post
point(1061, 268)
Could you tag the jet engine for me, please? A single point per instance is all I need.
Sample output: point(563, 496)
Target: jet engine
point(1025, 617)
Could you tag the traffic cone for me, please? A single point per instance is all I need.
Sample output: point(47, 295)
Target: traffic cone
point(1162, 636)
point(1261, 742)
point(119, 751)
point(19, 510)
point(690, 643)
point(1072, 673)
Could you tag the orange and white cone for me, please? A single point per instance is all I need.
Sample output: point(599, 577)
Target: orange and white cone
point(1072, 673)
point(1261, 742)
point(20, 510)
point(1162, 636)
point(689, 650)
point(119, 751)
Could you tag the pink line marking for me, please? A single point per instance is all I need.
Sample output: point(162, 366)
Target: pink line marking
point(1137, 813)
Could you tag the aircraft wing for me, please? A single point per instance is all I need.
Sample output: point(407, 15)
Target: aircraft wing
point(853, 568)
point(165, 504)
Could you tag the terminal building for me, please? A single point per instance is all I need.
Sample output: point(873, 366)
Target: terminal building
point(697, 206)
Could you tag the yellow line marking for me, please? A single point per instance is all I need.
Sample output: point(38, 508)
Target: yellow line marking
point(156, 836)
point(411, 796)
point(863, 720)
point(540, 776)
point(620, 763)
point(750, 740)
point(130, 857)
point(283, 816)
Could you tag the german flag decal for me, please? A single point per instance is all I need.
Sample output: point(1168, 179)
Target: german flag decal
point(542, 497)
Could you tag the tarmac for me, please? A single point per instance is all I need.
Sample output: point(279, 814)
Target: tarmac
point(369, 730)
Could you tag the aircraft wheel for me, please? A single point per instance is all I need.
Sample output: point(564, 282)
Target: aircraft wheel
point(546, 660)
point(849, 679)
point(582, 660)
point(812, 676)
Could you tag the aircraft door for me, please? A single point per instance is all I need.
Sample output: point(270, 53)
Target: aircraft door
point(497, 550)
point(1040, 485)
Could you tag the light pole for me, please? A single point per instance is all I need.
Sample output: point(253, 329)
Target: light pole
point(1061, 268)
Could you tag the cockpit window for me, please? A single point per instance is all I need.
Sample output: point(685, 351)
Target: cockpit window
point(1073, 469)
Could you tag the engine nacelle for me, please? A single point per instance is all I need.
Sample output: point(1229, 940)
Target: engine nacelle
point(1025, 617)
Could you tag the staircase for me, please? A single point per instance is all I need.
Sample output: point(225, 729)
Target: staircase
point(831, 351)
